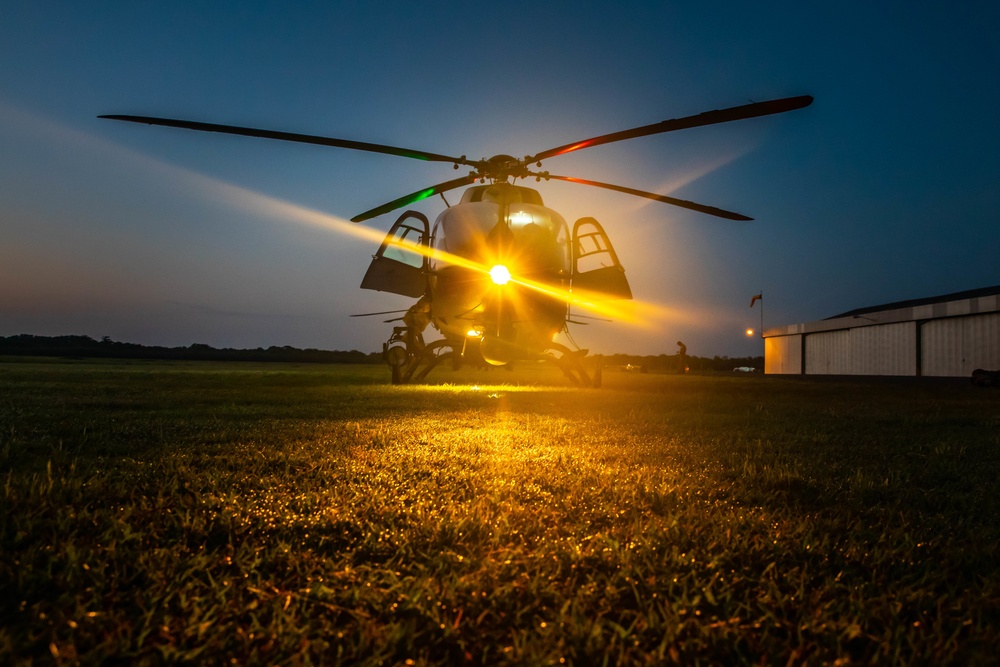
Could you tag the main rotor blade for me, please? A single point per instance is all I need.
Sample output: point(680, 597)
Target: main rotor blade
point(707, 118)
point(683, 203)
point(383, 312)
point(291, 136)
point(415, 196)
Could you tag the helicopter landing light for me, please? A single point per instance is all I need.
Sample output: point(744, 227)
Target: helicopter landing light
point(500, 274)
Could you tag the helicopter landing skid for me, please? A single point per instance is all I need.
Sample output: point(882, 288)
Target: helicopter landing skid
point(570, 362)
point(410, 360)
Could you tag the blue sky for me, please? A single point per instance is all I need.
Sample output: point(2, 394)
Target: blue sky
point(884, 189)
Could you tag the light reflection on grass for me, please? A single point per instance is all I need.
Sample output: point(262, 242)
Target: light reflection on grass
point(308, 515)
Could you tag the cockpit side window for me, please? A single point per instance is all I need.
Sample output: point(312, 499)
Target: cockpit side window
point(596, 269)
point(400, 264)
point(407, 247)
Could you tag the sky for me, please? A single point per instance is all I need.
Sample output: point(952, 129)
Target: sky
point(885, 189)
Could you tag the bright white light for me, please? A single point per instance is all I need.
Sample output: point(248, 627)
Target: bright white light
point(749, 332)
point(500, 274)
point(472, 333)
point(520, 218)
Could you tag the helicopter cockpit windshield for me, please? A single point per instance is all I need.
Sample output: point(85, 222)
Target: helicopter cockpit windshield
point(535, 238)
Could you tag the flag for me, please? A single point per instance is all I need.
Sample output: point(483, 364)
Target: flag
point(756, 298)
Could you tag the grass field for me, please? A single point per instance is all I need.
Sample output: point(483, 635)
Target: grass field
point(208, 513)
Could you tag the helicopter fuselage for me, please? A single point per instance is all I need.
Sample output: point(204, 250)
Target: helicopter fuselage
point(494, 275)
point(499, 272)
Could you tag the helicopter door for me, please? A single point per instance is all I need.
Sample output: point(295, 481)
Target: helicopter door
point(400, 265)
point(595, 265)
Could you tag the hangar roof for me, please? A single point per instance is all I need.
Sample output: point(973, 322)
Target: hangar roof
point(970, 302)
point(926, 301)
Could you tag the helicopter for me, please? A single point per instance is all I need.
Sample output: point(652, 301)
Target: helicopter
point(498, 273)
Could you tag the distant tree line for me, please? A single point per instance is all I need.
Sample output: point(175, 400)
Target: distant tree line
point(87, 347)
point(670, 363)
point(81, 347)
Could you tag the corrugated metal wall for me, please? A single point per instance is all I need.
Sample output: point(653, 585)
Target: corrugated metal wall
point(948, 339)
point(783, 355)
point(959, 345)
point(888, 349)
point(828, 353)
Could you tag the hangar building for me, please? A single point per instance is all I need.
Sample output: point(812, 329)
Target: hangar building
point(943, 336)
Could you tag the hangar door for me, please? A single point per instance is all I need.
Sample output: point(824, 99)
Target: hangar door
point(828, 353)
point(783, 355)
point(886, 349)
point(956, 346)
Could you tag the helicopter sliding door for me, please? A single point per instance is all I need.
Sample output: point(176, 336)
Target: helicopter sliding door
point(400, 265)
point(596, 268)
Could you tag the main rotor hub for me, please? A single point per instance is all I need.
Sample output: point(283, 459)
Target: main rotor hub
point(501, 168)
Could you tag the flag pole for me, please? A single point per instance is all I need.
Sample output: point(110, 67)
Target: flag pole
point(761, 314)
point(759, 296)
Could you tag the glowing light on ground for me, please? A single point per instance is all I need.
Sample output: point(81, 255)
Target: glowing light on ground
point(474, 388)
